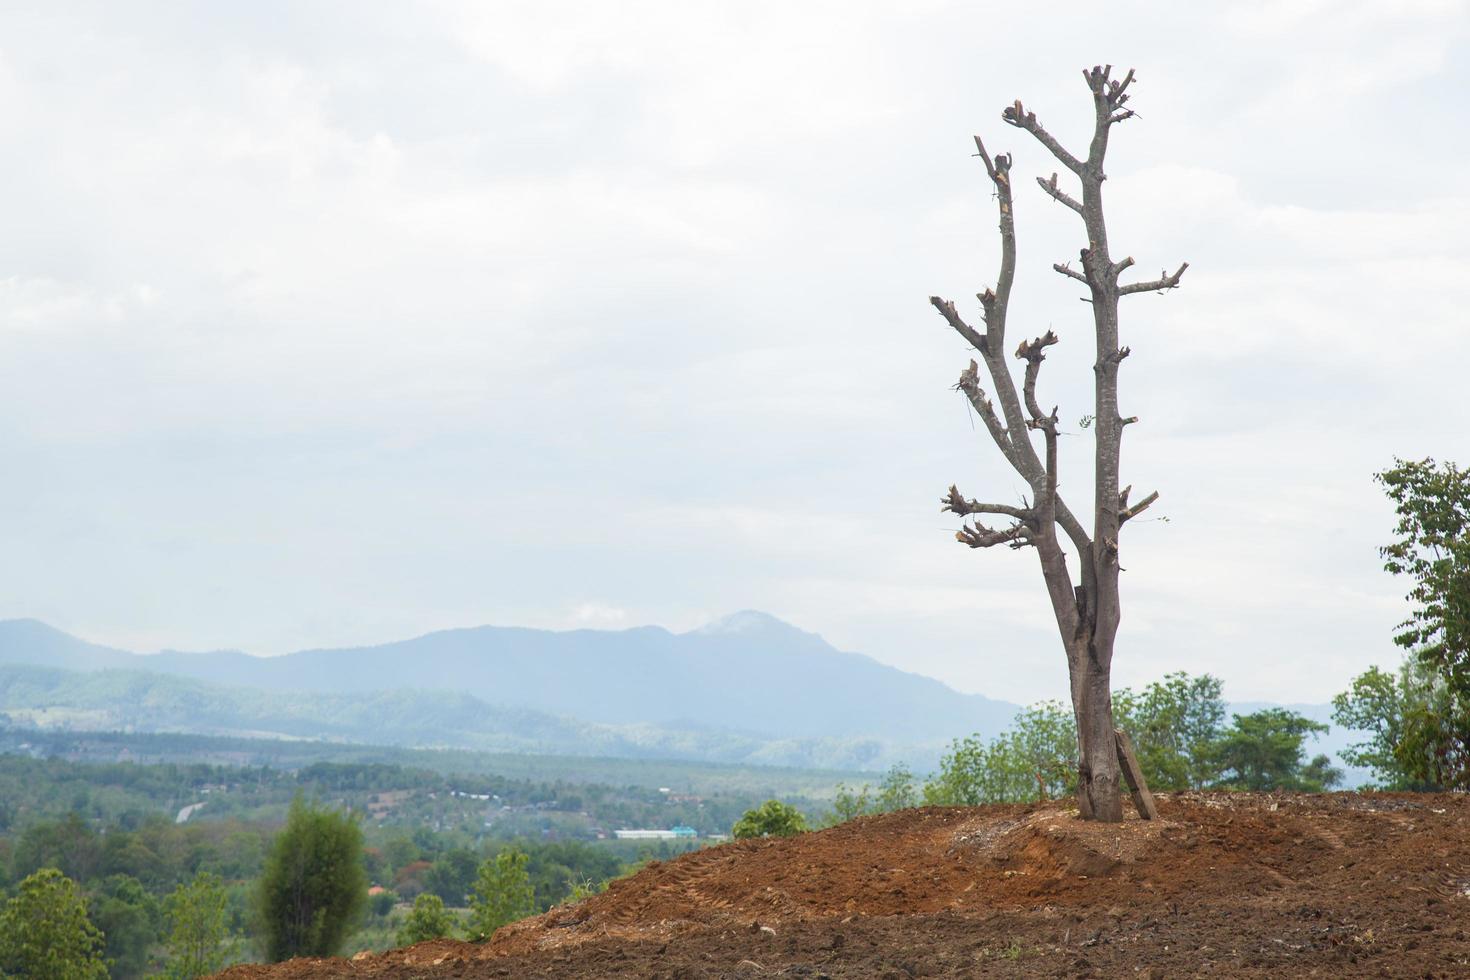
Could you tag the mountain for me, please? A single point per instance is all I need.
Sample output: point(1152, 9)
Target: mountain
point(748, 675)
point(49, 698)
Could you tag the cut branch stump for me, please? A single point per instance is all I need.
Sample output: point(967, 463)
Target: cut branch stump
point(1143, 800)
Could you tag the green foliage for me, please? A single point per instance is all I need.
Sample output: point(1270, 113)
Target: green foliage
point(896, 792)
point(1176, 725)
point(1263, 751)
point(452, 875)
point(502, 893)
point(1420, 720)
point(198, 940)
point(1419, 727)
point(129, 918)
point(382, 903)
point(1433, 549)
point(45, 933)
point(314, 886)
point(428, 919)
point(1036, 758)
point(771, 819)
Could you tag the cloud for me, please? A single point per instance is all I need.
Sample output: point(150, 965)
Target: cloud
point(324, 325)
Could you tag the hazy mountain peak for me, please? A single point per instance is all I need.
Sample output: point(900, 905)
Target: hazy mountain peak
point(746, 621)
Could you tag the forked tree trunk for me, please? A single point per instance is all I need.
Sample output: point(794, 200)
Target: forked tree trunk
point(1087, 609)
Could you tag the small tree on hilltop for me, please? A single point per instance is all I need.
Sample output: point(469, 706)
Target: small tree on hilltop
point(314, 886)
point(45, 933)
point(198, 939)
point(502, 894)
point(771, 819)
point(1086, 608)
point(428, 919)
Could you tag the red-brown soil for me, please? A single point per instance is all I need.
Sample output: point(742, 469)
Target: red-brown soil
point(1222, 885)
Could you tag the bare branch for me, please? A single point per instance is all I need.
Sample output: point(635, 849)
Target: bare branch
point(954, 503)
point(980, 536)
point(969, 383)
point(1065, 268)
point(1120, 265)
point(1059, 195)
point(971, 335)
point(1016, 115)
point(1165, 281)
point(1033, 352)
point(1126, 513)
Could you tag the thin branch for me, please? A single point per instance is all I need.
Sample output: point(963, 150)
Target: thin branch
point(1059, 195)
point(1120, 265)
point(1128, 513)
point(969, 383)
point(1065, 268)
point(954, 503)
point(1016, 115)
point(971, 335)
point(1033, 352)
point(1165, 281)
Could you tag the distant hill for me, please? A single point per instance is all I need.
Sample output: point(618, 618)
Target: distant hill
point(51, 699)
point(748, 673)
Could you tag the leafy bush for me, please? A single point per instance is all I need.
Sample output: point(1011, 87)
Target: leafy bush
point(428, 919)
point(771, 819)
point(45, 933)
point(314, 886)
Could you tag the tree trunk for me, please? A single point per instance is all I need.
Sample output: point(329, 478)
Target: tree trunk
point(1099, 780)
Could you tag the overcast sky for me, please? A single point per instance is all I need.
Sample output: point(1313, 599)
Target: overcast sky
point(328, 324)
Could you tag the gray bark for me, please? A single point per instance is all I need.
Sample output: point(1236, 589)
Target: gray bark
point(1087, 611)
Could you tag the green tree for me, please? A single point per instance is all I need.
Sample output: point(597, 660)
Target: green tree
point(128, 917)
point(1036, 758)
point(45, 933)
point(1263, 751)
point(502, 893)
point(452, 874)
point(1419, 721)
point(771, 819)
point(428, 919)
point(1418, 727)
point(896, 792)
point(1176, 725)
point(198, 942)
point(314, 886)
point(1433, 549)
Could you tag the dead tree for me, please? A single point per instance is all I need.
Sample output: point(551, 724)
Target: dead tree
point(1087, 610)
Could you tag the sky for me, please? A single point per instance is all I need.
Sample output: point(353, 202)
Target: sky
point(328, 324)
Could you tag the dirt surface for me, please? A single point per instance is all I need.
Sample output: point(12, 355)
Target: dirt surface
point(1222, 885)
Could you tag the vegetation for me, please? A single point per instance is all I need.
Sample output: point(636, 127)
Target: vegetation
point(771, 819)
point(45, 933)
point(198, 941)
point(502, 893)
point(1181, 739)
point(428, 919)
point(314, 886)
point(1419, 719)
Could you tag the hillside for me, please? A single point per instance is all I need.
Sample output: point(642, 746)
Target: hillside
point(1225, 884)
point(748, 674)
point(50, 699)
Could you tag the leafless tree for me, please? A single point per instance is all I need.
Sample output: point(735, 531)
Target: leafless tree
point(1087, 611)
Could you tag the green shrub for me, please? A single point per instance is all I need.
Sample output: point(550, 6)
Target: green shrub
point(771, 819)
point(314, 886)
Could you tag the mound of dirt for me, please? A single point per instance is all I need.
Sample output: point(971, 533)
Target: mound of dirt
point(1233, 884)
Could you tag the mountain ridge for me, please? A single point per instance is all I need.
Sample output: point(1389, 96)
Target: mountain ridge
point(748, 672)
